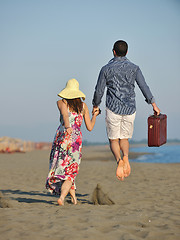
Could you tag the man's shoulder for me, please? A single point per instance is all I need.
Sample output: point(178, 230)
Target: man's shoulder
point(113, 63)
point(133, 65)
point(105, 67)
point(108, 65)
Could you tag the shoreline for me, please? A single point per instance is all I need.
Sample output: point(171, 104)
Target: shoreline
point(103, 153)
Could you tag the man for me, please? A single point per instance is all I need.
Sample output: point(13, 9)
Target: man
point(119, 76)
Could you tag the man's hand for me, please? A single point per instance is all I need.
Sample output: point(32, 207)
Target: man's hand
point(156, 109)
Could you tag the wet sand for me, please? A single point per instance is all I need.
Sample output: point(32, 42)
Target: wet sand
point(147, 203)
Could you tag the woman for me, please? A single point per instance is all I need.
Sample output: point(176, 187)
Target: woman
point(66, 154)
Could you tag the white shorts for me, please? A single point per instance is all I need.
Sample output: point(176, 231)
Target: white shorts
point(119, 126)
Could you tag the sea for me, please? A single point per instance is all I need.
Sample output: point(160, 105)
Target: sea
point(163, 154)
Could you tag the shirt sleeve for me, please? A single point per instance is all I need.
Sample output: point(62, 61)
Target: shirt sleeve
point(144, 87)
point(99, 89)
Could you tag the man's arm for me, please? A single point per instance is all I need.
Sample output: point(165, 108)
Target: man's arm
point(99, 89)
point(146, 91)
point(144, 87)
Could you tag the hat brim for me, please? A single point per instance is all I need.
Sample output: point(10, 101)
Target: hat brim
point(71, 94)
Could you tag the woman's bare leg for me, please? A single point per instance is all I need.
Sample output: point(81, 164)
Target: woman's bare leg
point(73, 196)
point(64, 191)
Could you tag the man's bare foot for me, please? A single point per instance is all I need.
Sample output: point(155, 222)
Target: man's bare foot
point(120, 171)
point(126, 166)
point(60, 201)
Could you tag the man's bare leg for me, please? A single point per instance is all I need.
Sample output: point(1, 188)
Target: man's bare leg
point(115, 148)
point(124, 145)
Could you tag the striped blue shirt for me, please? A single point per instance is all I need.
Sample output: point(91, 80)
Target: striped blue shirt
point(119, 76)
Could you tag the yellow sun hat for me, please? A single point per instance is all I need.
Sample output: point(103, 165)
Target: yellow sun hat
point(72, 90)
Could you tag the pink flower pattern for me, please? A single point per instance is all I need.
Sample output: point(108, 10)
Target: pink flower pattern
point(65, 154)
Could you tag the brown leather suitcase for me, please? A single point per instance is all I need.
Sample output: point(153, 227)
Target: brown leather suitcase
point(157, 130)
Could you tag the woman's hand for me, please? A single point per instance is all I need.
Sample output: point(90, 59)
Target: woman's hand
point(69, 130)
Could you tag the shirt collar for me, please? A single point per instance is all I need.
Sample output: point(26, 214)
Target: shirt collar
point(118, 59)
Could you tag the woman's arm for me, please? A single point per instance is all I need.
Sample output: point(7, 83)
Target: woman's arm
point(89, 122)
point(62, 106)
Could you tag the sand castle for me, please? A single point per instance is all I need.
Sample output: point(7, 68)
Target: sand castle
point(100, 198)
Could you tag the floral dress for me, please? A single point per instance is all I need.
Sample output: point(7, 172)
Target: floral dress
point(65, 154)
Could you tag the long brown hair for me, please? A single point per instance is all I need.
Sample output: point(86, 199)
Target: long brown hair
point(75, 105)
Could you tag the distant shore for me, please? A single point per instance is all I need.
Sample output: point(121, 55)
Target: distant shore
point(12, 145)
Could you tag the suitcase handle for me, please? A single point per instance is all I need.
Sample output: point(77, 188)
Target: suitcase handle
point(156, 116)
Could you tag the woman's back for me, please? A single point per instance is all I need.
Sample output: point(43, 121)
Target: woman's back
point(75, 115)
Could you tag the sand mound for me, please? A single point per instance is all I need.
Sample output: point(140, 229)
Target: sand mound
point(4, 203)
point(100, 198)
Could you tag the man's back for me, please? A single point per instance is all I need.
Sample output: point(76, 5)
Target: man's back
point(120, 76)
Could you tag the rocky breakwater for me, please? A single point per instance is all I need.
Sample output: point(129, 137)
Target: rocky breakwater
point(12, 145)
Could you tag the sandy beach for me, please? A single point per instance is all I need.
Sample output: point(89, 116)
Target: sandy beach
point(147, 203)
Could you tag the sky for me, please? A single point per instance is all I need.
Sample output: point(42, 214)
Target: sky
point(44, 43)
